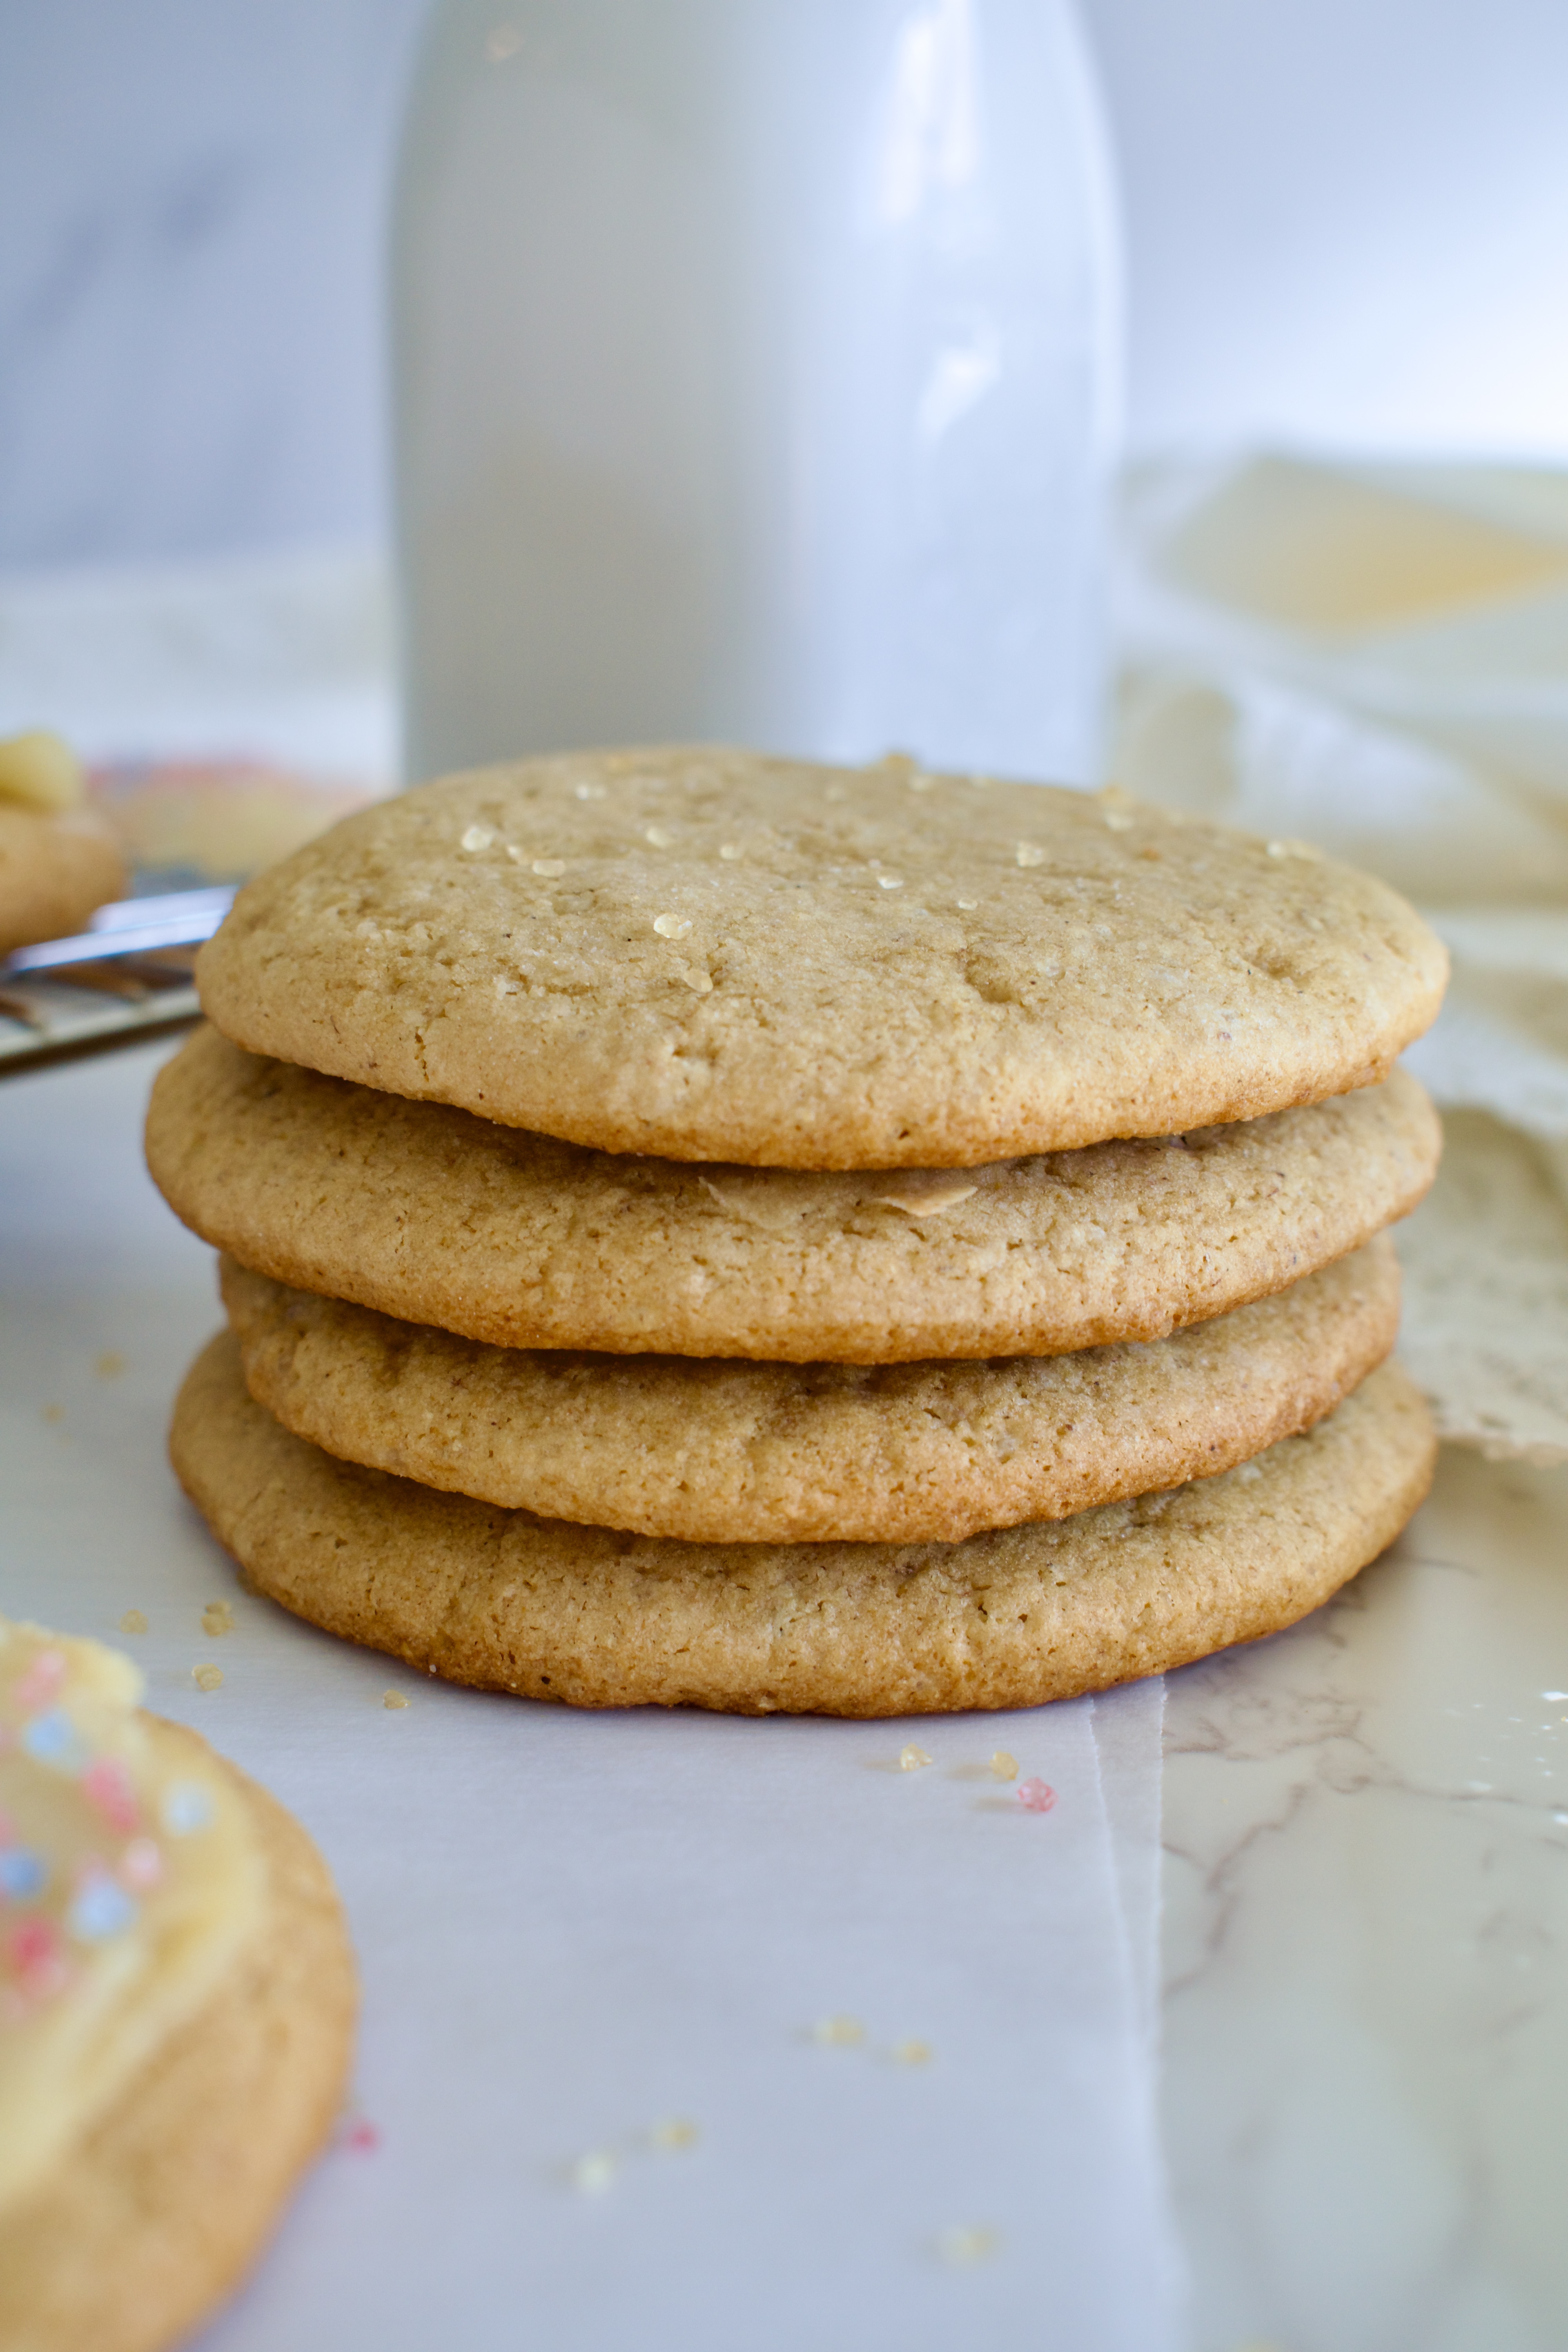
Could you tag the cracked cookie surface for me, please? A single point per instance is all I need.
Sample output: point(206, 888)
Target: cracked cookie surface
point(597, 1618)
point(708, 954)
point(427, 1214)
point(717, 1451)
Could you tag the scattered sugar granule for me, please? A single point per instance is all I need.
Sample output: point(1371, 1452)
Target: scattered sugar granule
point(1295, 849)
point(658, 837)
point(912, 1758)
point(730, 851)
point(133, 1622)
point(109, 1365)
point(889, 881)
point(963, 2246)
point(698, 982)
point(967, 906)
point(838, 2033)
point(549, 869)
point(1035, 1797)
point(672, 927)
point(913, 2054)
point(1119, 820)
point(677, 2133)
point(217, 1618)
point(1026, 854)
point(1002, 1766)
point(392, 1699)
point(478, 836)
point(594, 2173)
point(207, 1678)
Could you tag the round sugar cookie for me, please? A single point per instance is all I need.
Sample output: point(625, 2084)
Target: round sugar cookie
point(156, 2213)
point(432, 1216)
point(54, 870)
point(716, 1451)
point(1012, 1618)
point(712, 955)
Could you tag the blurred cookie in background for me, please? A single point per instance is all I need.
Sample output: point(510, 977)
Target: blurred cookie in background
point(58, 859)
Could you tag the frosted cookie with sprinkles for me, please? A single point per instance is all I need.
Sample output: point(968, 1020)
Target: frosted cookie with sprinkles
point(717, 1451)
point(435, 1217)
point(1013, 1618)
point(706, 954)
point(177, 2008)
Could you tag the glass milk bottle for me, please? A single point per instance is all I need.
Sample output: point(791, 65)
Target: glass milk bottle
point(755, 367)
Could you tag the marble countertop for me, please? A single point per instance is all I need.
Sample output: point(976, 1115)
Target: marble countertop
point(1366, 1920)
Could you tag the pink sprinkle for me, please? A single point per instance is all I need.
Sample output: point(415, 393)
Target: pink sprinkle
point(1035, 1797)
point(107, 1785)
point(38, 1957)
point(42, 1680)
point(140, 1864)
point(361, 2137)
point(32, 1941)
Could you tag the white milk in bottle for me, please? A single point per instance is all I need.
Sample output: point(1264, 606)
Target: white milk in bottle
point(755, 366)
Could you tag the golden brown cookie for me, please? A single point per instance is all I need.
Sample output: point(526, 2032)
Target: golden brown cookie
point(712, 955)
point(161, 2206)
point(54, 870)
point(429, 1214)
point(716, 1451)
point(549, 1609)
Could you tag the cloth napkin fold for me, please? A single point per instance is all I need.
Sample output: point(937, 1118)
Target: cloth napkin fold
point(1373, 657)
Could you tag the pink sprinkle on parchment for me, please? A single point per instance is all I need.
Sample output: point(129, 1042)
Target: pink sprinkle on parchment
point(1036, 1796)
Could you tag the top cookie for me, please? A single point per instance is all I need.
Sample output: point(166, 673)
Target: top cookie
point(711, 955)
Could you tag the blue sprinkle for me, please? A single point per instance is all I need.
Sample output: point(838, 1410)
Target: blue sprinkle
point(186, 1807)
point(100, 1910)
point(53, 1739)
point(21, 1872)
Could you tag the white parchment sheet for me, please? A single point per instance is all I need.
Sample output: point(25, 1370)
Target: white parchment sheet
point(579, 1931)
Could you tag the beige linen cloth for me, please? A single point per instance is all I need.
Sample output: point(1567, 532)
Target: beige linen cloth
point(1373, 657)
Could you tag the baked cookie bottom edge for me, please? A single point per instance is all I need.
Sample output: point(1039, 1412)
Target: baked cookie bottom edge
point(545, 1608)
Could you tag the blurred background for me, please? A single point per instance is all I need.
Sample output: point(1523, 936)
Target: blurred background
point(1346, 227)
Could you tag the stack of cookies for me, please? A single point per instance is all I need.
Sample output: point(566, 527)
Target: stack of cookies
point(716, 1230)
